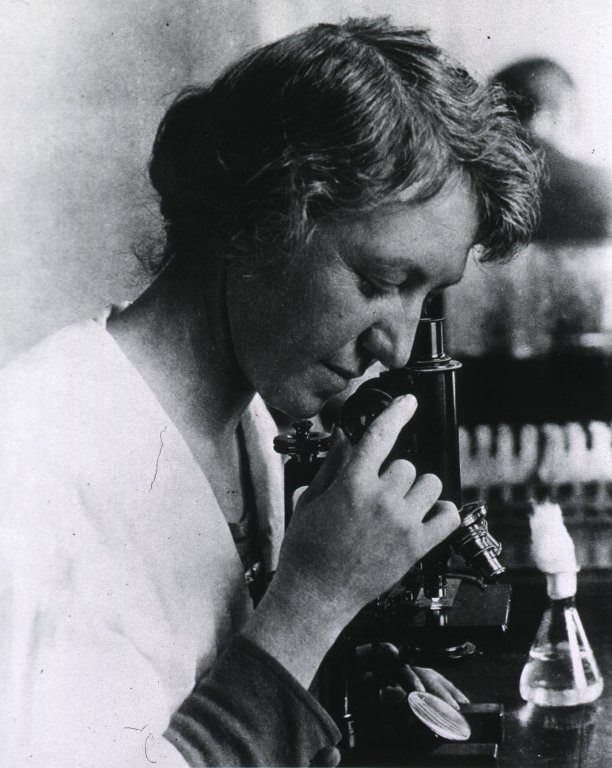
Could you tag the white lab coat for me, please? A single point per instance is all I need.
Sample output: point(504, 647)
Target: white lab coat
point(120, 581)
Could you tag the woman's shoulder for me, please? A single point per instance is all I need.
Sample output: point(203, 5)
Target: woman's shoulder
point(61, 350)
point(66, 363)
point(75, 382)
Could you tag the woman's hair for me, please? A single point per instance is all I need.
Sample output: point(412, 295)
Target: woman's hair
point(329, 122)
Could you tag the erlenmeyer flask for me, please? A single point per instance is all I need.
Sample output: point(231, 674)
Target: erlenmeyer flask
point(561, 670)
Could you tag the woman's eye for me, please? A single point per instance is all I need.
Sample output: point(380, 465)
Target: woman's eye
point(369, 289)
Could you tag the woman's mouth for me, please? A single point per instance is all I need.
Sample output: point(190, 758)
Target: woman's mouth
point(344, 373)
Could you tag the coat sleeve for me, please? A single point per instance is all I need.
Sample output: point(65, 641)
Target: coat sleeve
point(250, 711)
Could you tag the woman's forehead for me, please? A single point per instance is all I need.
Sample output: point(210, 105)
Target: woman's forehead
point(404, 232)
point(454, 207)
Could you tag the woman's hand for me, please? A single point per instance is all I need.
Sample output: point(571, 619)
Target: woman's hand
point(425, 679)
point(362, 524)
point(383, 662)
point(356, 530)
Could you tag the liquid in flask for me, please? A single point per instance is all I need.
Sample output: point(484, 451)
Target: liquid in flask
point(561, 670)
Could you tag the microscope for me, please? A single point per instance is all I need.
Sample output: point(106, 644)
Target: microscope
point(445, 608)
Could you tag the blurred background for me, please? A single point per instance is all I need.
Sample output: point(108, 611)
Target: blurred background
point(85, 84)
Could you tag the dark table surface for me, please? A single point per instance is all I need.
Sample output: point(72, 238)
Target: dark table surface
point(580, 737)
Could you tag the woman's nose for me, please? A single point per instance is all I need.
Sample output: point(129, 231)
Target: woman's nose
point(390, 340)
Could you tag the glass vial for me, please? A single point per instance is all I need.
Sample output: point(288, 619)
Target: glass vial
point(561, 670)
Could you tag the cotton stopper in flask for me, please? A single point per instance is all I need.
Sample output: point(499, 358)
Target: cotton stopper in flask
point(561, 670)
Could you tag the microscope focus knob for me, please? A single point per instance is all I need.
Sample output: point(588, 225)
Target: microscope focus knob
point(302, 443)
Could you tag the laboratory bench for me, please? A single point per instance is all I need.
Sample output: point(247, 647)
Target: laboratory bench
point(534, 737)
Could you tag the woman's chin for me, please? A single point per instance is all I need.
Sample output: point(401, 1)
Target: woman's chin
point(302, 405)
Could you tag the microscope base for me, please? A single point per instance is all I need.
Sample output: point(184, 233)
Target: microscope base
point(480, 751)
point(477, 619)
point(465, 755)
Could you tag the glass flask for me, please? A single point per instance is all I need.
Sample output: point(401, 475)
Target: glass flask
point(561, 670)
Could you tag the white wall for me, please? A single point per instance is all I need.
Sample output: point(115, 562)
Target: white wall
point(488, 34)
point(84, 83)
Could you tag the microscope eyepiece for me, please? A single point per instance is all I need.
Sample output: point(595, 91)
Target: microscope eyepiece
point(360, 410)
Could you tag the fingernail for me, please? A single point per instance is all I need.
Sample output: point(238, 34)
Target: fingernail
point(408, 398)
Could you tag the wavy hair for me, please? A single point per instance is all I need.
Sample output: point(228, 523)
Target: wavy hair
point(329, 122)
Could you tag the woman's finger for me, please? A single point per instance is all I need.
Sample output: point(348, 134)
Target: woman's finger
point(382, 657)
point(401, 474)
point(379, 438)
point(440, 520)
point(408, 679)
point(425, 492)
point(436, 683)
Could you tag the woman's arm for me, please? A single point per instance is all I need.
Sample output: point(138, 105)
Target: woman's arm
point(248, 710)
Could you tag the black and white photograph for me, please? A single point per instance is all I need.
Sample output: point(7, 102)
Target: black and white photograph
point(306, 383)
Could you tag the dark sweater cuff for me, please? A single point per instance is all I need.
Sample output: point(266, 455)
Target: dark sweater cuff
point(249, 710)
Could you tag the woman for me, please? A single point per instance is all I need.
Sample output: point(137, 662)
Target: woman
point(314, 196)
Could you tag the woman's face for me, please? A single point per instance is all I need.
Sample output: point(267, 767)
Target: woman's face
point(354, 297)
